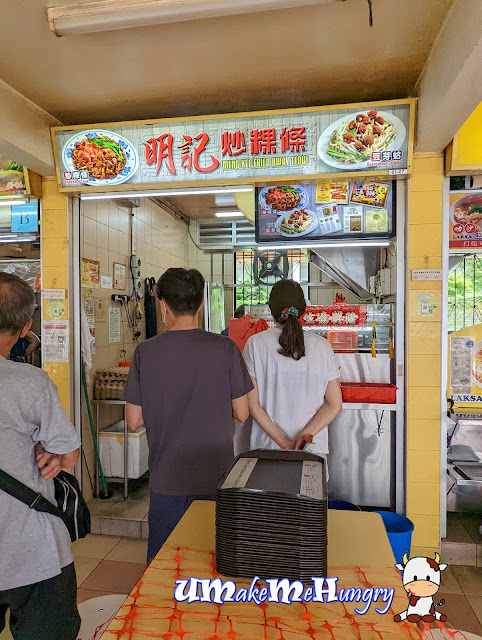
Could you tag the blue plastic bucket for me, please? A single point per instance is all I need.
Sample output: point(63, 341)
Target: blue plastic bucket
point(341, 505)
point(399, 531)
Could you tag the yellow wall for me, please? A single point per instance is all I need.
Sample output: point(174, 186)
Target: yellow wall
point(55, 268)
point(424, 342)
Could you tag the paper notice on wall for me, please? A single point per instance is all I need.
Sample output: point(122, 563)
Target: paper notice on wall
point(461, 364)
point(91, 323)
point(353, 219)
point(53, 294)
point(106, 282)
point(114, 325)
point(55, 341)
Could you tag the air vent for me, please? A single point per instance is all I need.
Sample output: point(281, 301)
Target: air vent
point(225, 234)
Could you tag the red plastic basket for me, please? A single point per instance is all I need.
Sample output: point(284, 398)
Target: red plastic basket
point(369, 392)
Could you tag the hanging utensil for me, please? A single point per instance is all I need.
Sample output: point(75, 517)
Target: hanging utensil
point(390, 334)
point(374, 326)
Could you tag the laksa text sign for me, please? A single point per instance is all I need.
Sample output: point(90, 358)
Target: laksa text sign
point(352, 140)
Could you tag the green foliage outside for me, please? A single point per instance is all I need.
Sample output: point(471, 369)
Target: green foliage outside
point(251, 295)
point(465, 297)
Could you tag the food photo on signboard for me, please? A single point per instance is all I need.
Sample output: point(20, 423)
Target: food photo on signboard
point(325, 209)
point(465, 220)
point(374, 139)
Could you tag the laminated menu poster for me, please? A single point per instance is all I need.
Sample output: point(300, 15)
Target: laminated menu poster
point(465, 366)
point(376, 220)
point(465, 220)
point(324, 210)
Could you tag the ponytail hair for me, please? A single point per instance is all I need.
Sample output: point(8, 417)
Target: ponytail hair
point(287, 304)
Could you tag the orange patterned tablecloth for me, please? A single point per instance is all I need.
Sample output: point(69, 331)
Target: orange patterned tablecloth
point(150, 611)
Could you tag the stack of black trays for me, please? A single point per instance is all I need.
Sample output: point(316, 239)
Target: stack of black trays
point(271, 516)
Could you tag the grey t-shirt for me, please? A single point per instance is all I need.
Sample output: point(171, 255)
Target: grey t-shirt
point(185, 382)
point(33, 546)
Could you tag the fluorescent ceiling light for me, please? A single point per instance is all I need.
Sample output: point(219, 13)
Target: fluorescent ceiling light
point(13, 240)
point(225, 200)
point(163, 194)
point(326, 245)
point(228, 214)
point(9, 203)
point(110, 15)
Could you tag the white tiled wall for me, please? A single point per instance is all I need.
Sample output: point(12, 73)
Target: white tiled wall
point(110, 233)
point(211, 267)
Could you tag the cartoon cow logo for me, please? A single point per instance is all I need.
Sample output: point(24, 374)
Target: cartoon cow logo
point(421, 580)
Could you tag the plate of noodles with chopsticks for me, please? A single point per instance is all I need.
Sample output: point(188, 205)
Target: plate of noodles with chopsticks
point(108, 158)
point(349, 142)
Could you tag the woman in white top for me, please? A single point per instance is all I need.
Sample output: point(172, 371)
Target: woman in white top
point(296, 389)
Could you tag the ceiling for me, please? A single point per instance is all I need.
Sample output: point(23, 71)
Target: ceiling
point(316, 55)
point(202, 206)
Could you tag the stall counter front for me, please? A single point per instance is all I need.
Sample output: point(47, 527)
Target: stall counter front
point(359, 554)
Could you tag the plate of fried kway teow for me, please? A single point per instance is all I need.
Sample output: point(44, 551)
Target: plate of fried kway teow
point(107, 158)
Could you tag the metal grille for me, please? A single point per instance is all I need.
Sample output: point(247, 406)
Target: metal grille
point(220, 234)
point(465, 292)
point(248, 292)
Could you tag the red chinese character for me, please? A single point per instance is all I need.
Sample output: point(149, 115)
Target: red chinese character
point(159, 149)
point(263, 141)
point(188, 161)
point(186, 157)
point(233, 144)
point(293, 139)
point(204, 139)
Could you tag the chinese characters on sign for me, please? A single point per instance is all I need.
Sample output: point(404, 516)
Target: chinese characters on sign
point(337, 315)
point(251, 146)
point(160, 150)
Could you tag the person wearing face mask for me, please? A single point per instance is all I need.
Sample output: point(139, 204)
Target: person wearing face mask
point(185, 386)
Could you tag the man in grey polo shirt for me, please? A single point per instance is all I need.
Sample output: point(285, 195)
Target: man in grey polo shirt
point(37, 575)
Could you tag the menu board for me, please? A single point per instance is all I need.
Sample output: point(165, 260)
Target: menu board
point(465, 366)
point(465, 220)
point(256, 147)
point(325, 210)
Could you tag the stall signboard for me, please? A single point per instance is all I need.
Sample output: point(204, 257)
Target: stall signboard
point(325, 210)
point(248, 147)
point(466, 220)
point(339, 316)
point(465, 366)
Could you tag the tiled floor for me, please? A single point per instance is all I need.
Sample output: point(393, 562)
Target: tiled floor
point(106, 564)
point(463, 544)
point(119, 517)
